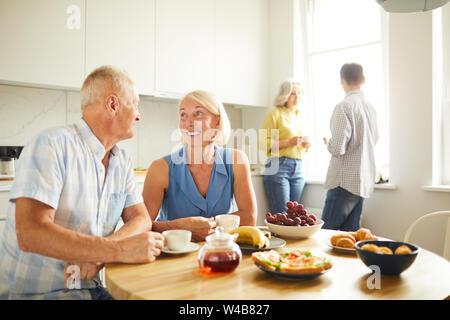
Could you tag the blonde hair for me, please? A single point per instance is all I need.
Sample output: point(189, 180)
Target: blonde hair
point(101, 79)
point(210, 101)
point(285, 90)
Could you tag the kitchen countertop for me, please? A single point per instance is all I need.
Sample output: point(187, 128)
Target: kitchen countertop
point(5, 186)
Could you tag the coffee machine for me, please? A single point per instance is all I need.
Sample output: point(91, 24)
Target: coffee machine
point(8, 155)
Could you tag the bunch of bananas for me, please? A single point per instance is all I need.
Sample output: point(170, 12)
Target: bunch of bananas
point(252, 235)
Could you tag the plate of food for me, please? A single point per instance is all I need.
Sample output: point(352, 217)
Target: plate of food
point(345, 241)
point(252, 239)
point(274, 243)
point(292, 264)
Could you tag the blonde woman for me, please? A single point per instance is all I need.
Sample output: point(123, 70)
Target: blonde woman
point(283, 177)
point(187, 189)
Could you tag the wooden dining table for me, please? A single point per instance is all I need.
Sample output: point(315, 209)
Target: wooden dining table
point(173, 277)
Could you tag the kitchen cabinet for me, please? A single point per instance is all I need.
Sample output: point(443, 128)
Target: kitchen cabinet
point(4, 197)
point(122, 34)
point(261, 199)
point(2, 227)
point(242, 46)
point(42, 42)
point(184, 46)
point(169, 47)
point(4, 201)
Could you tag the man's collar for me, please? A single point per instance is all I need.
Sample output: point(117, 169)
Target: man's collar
point(92, 141)
point(356, 91)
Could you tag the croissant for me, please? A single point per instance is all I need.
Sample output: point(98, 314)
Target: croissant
point(403, 250)
point(345, 242)
point(336, 237)
point(364, 234)
point(384, 250)
point(370, 247)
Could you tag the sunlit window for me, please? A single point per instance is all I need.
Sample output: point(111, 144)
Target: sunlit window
point(441, 96)
point(338, 32)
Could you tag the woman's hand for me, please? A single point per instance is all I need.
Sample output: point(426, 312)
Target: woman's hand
point(199, 226)
point(306, 144)
point(295, 141)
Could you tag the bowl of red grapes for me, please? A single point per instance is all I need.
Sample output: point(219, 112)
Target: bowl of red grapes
point(295, 223)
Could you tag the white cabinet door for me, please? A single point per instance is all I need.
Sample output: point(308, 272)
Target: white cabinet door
point(121, 33)
point(4, 202)
point(261, 199)
point(2, 227)
point(42, 42)
point(184, 57)
point(242, 46)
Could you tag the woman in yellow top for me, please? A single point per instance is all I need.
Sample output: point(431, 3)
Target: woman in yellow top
point(285, 146)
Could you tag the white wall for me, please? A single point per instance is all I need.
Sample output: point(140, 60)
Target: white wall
point(26, 111)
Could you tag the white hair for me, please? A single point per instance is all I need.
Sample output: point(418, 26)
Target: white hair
point(210, 101)
point(101, 79)
point(284, 92)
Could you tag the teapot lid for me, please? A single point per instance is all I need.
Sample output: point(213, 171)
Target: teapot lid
point(219, 237)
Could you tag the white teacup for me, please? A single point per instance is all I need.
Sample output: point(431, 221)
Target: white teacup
point(307, 139)
point(228, 221)
point(177, 240)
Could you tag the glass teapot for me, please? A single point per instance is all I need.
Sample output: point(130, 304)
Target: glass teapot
point(220, 253)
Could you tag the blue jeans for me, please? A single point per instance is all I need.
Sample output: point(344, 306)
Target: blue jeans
point(342, 210)
point(284, 183)
point(100, 293)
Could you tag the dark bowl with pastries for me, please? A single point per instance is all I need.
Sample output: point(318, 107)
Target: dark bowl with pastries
point(392, 257)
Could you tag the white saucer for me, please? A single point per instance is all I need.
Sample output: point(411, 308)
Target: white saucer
point(189, 248)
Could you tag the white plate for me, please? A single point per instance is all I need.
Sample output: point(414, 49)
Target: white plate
point(273, 244)
point(189, 248)
point(291, 275)
point(340, 249)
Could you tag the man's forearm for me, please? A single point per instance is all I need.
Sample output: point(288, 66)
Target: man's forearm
point(54, 241)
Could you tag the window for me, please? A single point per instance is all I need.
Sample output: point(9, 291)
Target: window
point(441, 96)
point(334, 33)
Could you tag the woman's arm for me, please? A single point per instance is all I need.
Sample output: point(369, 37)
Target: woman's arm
point(243, 189)
point(271, 142)
point(156, 183)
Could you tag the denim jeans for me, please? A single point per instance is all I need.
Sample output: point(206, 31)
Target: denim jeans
point(100, 293)
point(342, 210)
point(285, 184)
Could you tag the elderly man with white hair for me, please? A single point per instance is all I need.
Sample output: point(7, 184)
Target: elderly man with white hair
point(72, 186)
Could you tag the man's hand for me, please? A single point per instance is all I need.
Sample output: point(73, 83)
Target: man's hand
point(87, 271)
point(141, 248)
point(325, 140)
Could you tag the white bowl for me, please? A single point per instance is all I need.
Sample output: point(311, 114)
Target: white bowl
point(294, 232)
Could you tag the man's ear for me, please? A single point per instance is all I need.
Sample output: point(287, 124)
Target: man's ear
point(363, 80)
point(112, 103)
point(218, 121)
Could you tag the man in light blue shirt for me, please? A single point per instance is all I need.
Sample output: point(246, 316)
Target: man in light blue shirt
point(72, 186)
